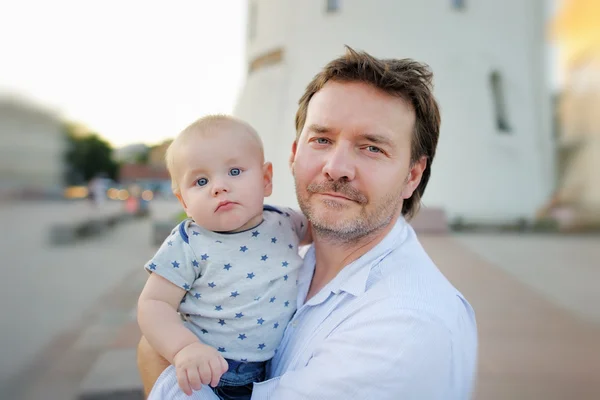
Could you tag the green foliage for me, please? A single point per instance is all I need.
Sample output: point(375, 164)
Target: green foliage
point(88, 156)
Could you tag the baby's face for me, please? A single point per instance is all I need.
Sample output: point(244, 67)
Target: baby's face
point(223, 180)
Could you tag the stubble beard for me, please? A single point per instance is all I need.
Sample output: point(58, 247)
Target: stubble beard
point(350, 229)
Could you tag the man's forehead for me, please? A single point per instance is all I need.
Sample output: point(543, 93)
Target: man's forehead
point(358, 106)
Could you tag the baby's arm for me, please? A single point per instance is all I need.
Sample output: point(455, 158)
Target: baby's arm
point(195, 362)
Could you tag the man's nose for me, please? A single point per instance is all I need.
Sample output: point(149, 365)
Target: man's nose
point(340, 164)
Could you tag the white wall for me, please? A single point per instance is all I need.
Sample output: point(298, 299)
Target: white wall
point(478, 174)
point(31, 148)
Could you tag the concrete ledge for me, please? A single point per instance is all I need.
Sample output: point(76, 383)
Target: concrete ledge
point(160, 230)
point(68, 232)
point(431, 221)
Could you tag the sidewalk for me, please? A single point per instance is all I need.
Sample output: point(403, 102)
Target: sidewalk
point(529, 348)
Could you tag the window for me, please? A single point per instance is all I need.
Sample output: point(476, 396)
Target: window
point(332, 6)
point(497, 88)
point(252, 20)
point(458, 4)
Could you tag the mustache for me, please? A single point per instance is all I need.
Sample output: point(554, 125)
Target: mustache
point(342, 188)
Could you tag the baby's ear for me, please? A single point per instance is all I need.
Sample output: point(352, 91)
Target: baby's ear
point(268, 178)
point(178, 195)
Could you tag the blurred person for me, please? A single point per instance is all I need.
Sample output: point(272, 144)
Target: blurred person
point(97, 190)
point(230, 269)
point(376, 319)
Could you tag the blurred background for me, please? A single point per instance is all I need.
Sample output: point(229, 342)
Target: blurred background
point(92, 93)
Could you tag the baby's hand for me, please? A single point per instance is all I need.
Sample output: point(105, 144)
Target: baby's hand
point(198, 364)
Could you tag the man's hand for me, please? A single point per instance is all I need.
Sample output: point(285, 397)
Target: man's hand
point(198, 364)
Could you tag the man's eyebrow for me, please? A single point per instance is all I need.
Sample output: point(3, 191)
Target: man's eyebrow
point(378, 139)
point(318, 128)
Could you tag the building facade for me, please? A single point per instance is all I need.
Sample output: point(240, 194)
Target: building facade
point(32, 150)
point(495, 160)
point(577, 34)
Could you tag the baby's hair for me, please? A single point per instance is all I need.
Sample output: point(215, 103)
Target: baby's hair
point(207, 125)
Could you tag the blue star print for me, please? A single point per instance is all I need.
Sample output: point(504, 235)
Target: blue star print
point(255, 233)
point(239, 315)
point(272, 299)
point(276, 325)
point(170, 243)
point(197, 295)
point(273, 240)
point(227, 266)
point(261, 346)
point(260, 321)
point(243, 249)
point(186, 286)
point(175, 264)
point(264, 258)
point(204, 257)
point(222, 349)
point(284, 264)
point(152, 267)
point(285, 277)
point(195, 263)
point(287, 303)
point(250, 275)
point(221, 322)
point(218, 308)
point(290, 246)
point(242, 336)
point(195, 233)
point(234, 294)
point(212, 284)
point(204, 331)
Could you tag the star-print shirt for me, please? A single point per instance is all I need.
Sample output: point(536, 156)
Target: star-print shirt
point(240, 287)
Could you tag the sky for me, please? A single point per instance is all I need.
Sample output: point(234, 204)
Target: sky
point(133, 71)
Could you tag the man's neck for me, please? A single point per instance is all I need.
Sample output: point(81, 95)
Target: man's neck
point(332, 256)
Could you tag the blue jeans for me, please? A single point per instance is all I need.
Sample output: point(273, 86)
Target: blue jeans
point(236, 383)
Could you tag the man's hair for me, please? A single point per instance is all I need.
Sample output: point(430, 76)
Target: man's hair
point(404, 78)
point(209, 124)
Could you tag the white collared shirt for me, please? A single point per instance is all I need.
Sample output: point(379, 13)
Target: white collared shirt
point(388, 326)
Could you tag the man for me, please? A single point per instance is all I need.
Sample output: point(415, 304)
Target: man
point(376, 319)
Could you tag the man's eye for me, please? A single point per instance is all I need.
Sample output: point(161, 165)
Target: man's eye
point(234, 171)
point(374, 149)
point(322, 140)
point(202, 182)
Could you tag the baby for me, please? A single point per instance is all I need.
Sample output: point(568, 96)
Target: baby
point(222, 286)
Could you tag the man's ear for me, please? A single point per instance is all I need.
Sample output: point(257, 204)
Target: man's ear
point(293, 156)
point(414, 177)
point(268, 178)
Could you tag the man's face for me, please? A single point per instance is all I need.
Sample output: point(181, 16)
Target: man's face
point(351, 163)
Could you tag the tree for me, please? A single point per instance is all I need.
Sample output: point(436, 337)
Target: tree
point(88, 156)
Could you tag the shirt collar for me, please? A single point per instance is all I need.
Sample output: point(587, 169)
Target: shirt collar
point(353, 278)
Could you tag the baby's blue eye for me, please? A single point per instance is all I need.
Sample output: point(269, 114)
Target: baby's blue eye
point(234, 171)
point(202, 181)
point(374, 149)
point(322, 141)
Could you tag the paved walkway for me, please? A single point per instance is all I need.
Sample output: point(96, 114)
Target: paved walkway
point(530, 347)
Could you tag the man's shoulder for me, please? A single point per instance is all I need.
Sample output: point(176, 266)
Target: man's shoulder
point(410, 281)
